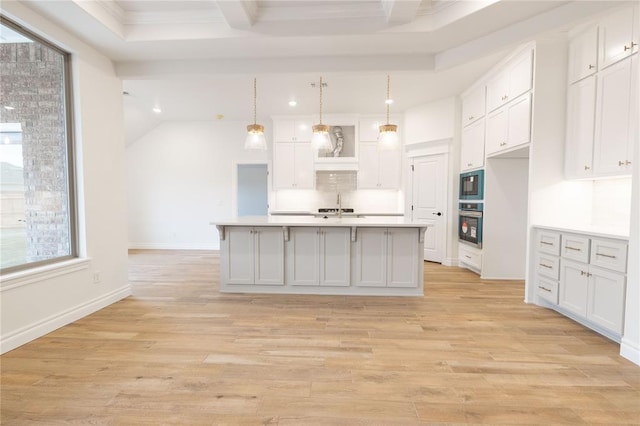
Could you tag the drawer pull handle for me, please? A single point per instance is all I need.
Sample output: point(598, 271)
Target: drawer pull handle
point(572, 248)
point(467, 256)
point(544, 288)
point(606, 255)
point(546, 266)
point(546, 243)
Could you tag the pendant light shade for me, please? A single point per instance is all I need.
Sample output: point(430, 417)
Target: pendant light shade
point(255, 132)
point(321, 139)
point(388, 138)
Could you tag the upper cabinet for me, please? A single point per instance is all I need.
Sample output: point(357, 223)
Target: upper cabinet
point(378, 168)
point(472, 146)
point(293, 166)
point(581, 115)
point(583, 54)
point(514, 80)
point(370, 128)
point(509, 127)
point(615, 124)
point(298, 130)
point(618, 36)
point(473, 105)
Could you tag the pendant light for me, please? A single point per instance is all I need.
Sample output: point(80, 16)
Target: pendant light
point(321, 139)
point(388, 138)
point(255, 132)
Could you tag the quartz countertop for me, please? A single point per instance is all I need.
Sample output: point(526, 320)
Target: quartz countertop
point(376, 221)
point(596, 231)
point(354, 214)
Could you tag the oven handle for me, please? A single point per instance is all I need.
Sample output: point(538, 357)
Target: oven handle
point(469, 213)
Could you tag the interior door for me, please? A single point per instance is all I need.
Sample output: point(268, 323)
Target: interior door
point(429, 184)
point(252, 190)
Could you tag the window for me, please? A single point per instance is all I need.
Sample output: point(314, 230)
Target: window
point(37, 218)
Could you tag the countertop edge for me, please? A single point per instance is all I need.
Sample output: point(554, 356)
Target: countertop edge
point(593, 231)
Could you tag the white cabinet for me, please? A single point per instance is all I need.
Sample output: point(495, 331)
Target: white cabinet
point(386, 257)
point(378, 168)
point(547, 265)
point(592, 280)
point(583, 54)
point(369, 128)
point(469, 256)
point(254, 255)
point(581, 111)
point(514, 80)
point(618, 36)
point(293, 165)
point(472, 146)
point(473, 105)
point(616, 99)
point(319, 256)
point(509, 127)
point(290, 130)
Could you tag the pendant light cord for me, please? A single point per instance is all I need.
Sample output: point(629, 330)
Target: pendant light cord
point(388, 97)
point(320, 99)
point(255, 95)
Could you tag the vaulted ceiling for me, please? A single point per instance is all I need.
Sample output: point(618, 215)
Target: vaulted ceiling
point(197, 58)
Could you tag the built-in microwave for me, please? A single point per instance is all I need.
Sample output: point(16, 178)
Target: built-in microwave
point(472, 185)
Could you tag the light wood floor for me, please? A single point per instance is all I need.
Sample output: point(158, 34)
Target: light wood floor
point(179, 352)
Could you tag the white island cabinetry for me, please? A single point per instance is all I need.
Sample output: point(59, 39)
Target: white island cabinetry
point(306, 255)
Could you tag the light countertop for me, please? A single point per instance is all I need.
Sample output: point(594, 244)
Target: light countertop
point(376, 221)
point(596, 231)
point(355, 214)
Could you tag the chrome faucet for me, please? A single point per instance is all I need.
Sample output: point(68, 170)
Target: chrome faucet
point(339, 201)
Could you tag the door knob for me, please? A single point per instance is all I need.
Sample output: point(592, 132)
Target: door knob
point(437, 214)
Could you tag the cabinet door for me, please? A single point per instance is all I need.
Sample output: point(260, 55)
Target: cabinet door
point(581, 112)
point(302, 256)
point(402, 252)
point(519, 122)
point(302, 129)
point(498, 90)
point(473, 105)
point(606, 299)
point(368, 166)
point(472, 146)
point(574, 283)
point(268, 256)
point(617, 37)
point(369, 129)
point(238, 267)
point(283, 130)
point(613, 120)
point(284, 165)
point(371, 255)
point(520, 75)
point(335, 256)
point(389, 166)
point(304, 176)
point(634, 129)
point(583, 54)
point(497, 131)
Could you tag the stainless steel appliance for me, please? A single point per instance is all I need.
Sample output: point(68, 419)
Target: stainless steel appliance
point(472, 185)
point(470, 223)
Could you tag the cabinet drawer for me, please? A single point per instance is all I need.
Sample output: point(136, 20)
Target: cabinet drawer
point(548, 242)
point(547, 289)
point(609, 254)
point(575, 247)
point(548, 266)
point(470, 257)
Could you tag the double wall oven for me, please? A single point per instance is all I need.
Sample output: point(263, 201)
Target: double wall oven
point(471, 208)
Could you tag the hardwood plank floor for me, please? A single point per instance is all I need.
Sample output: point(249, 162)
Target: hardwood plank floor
point(179, 352)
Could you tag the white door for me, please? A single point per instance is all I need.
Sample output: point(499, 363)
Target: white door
point(429, 202)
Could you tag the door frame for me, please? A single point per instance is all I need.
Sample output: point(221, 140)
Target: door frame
point(449, 234)
point(234, 183)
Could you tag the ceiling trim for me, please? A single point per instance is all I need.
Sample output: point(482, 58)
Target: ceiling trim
point(107, 12)
point(400, 11)
point(239, 14)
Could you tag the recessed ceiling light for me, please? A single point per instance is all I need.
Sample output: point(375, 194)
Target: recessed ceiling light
point(388, 101)
point(157, 110)
point(9, 108)
point(292, 103)
point(220, 116)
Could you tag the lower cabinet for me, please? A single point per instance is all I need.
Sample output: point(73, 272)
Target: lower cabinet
point(254, 255)
point(386, 257)
point(583, 276)
point(319, 256)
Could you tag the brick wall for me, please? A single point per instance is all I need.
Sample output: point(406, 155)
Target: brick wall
point(31, 81)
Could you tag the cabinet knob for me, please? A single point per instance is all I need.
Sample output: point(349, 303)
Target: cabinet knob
point(469, 164)
point(587, 168)
point(628, 47)
point(627, 163)
point(621, 163)
point(591, 66)
point(471, 118)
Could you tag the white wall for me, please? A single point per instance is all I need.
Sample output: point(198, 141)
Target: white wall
point(34, 304)
point(430, 122)
point(180, 177)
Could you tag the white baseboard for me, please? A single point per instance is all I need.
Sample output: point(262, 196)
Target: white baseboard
point(630, 351)
point(47, 325)
point(173, 246)
point(450, 261)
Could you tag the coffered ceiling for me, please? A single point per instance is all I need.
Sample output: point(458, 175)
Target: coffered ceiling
point(198, 57)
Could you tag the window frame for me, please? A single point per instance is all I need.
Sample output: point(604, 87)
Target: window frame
point(69, 131)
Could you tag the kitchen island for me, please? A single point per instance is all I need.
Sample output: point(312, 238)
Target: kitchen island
point(381, 256)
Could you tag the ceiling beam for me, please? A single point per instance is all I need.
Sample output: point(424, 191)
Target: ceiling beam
point(239, 14)
point(400, 11)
